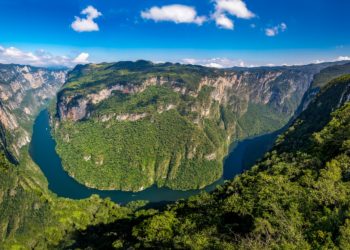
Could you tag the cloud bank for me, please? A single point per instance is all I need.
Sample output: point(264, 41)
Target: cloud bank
point(216, 62)
point(40, 58)
point(343, 58)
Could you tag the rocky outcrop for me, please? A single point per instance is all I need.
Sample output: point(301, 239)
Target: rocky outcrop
point(131, 117)
point(23, 91)
point(74, 107)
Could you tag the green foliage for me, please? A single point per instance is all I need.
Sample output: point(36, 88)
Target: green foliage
point(157, 146)
point(260, 119)
point(156, 136)
point(93, 77)
point(160, 127)
point(32, 217)
point(297, 197)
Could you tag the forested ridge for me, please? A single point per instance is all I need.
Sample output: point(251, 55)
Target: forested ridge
point(296, 197)
point(130, 125)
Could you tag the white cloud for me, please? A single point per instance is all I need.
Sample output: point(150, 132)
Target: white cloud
point(343, 58)
point(12, 52)
point(39, 57)
point(318, 61)
point(82, 58)
point(235, 8)
point(215, 62)
point(283, 27)
point(178, 13)
point(273, 31)
point(174, 13)
point(86, 24)
point(224, 22)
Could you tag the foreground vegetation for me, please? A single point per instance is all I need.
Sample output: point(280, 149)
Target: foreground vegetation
point(31, 217)
point(297, 197)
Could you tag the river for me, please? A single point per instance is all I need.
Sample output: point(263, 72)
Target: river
point(42, 150)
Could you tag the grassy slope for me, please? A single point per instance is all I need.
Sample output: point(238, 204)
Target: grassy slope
point(297, 197)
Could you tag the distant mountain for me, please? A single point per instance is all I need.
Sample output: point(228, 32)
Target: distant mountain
point(141, 123)
point(321, 79)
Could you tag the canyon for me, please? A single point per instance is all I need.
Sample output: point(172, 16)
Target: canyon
point(107, 113)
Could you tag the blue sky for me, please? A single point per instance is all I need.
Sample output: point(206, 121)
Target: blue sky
point(218, 33)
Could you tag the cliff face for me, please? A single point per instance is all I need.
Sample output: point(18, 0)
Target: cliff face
point(280, 89)
point(170, 124)
point(23, 91)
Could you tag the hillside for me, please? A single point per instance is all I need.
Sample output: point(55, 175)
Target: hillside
point(297, 197)
point(129, 125)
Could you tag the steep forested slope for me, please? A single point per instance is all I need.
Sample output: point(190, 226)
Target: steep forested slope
point(31, 217)
point(297, 197)
point(129, 125)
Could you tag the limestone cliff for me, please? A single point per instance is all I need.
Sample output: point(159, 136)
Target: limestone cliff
point(23, 91)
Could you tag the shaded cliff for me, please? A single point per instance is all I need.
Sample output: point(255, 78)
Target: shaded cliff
point(24, 90)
